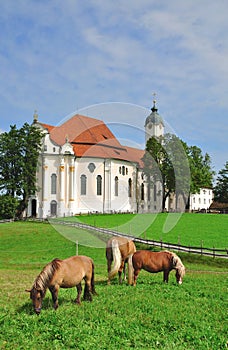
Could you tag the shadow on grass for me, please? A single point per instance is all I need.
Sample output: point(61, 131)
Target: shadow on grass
point(47, 304)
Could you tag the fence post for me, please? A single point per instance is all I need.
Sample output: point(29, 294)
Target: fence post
point(201, 246)
point(161, 243)
point(76, 247)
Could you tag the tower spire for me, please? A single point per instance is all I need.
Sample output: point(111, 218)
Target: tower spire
point(154, 108)
point(35, 117)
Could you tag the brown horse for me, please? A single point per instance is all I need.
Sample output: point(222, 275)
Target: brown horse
point(157, 262)
point(119, 250)
point(66, 273)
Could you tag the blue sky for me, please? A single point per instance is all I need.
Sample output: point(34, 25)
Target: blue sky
point(61, 57)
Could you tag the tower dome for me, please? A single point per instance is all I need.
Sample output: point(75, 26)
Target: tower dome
point(154, 125)
point(154, 116)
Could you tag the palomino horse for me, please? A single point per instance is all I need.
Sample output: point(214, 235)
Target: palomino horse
point(119, 250)
point(66, 273)
point(157, 262)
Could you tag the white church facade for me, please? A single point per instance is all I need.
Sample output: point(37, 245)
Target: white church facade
point(83, 168)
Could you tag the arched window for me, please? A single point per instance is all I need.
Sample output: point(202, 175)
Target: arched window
point(155, 192)
point(99, 185)
point(130, 188)
point(123, 170)
point(53, 183)
point(116, 186)
point(142, 192)
point(148, 190)
point(83, 185)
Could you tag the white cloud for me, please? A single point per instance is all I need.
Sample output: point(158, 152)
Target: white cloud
point(61, 56)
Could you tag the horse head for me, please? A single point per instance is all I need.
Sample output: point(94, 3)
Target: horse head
point(36, 295)
point(180, 269)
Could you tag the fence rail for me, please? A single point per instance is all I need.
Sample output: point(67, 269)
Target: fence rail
point(213, 252)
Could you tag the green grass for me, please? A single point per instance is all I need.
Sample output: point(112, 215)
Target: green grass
point(152, 315)
point(190, 229)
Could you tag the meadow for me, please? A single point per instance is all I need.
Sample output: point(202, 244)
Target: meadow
point(152, 315)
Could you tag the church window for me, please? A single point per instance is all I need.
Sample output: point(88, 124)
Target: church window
point(130, 188)
point(116, 186)
point(123, 170)
point(120, 170)
point(155, 192)
point(148, 192)
point(53, 183)
point(91, 167)
point(53, 149)
point(126, 171)
point(83, 184)
point(99, 185)
point(142, 192)
point(45, 147)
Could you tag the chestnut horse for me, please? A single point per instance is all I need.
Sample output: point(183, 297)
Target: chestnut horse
point(66, 273)
point(119, 250)
point(157, 262)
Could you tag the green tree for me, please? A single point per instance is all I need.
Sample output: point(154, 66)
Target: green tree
point(165, 161)
point(8, 207)
point(180, 168)
point(200, 167)
point(19, 152)
point(221, 187)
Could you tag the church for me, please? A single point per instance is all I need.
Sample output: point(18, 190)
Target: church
point(83, 168)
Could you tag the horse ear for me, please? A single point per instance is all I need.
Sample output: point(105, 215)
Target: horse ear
point(28, 290)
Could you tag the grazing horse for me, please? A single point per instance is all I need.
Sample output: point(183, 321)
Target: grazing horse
point(157, 262)
point(66, 273)
point(119, 250)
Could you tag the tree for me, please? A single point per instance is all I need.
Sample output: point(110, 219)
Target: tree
point(200, 167)
point(180, 168)
point(8, 207)
point(19, 152)
point(221, 187)
point(165, 161)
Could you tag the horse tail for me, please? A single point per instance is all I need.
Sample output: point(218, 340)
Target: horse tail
point(130, 270)
point(92, 280)
point(117, 258)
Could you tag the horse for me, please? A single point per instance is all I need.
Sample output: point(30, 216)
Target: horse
point(66, 273)
point(119, 250)
point(157, 262)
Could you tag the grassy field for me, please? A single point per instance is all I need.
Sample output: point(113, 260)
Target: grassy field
point(150, 316)
point(191, 229)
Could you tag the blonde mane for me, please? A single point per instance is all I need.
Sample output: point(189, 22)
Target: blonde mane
point(42, 280)
point(178, 265)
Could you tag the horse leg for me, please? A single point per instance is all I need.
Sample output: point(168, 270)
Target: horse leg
point(87, 290)
point(166, 276)
point(124, 271)
point(54, 293)
point(136, 274)
point(122, 266)
point(79, 292)
point(109, 269)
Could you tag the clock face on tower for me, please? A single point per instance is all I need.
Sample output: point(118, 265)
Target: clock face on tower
point(149, 126)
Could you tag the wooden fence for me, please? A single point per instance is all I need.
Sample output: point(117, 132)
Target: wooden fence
point(213, 252)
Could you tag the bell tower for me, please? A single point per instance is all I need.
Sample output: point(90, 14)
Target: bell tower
point(154, 125)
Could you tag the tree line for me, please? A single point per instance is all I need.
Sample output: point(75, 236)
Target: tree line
point(180, 168)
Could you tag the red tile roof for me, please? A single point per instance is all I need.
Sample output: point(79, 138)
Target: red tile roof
point(92, 138)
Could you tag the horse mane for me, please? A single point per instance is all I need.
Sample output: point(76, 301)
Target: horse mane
point(177, 264)
point(42, 280)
